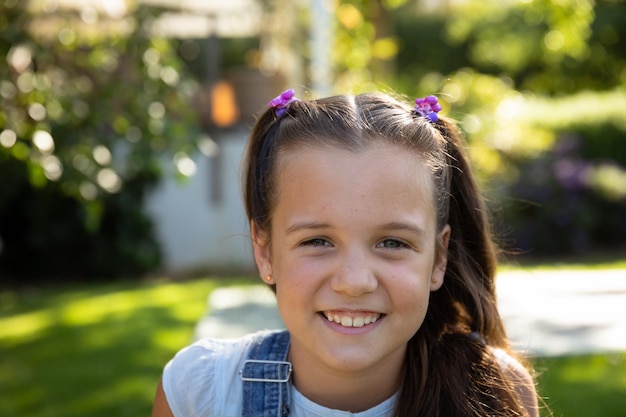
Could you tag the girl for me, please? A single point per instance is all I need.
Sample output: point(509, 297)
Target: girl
point(367, 223)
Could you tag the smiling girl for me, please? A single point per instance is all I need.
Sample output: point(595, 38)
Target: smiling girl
point(367, 223)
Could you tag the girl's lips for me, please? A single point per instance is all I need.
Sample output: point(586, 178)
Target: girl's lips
point(351, 318)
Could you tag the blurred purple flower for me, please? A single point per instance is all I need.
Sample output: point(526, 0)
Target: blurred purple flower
point(572, 173)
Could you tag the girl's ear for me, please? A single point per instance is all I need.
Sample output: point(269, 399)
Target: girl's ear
point(261, 249)
point(441, 263)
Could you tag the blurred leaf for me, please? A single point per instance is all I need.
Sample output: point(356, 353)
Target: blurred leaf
point(80, 100)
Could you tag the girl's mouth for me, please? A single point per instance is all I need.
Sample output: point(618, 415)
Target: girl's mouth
point(352, 319)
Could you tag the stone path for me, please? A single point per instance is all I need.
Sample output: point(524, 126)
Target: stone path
point(564, 312)
point(545, 313)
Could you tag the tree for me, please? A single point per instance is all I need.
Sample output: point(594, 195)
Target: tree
point(91, 104)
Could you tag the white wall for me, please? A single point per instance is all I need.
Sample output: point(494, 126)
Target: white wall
point(194, 231)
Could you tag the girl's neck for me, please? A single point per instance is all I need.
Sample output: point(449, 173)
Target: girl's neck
point(346, 391)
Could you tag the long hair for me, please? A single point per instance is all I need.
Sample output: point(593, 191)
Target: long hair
point(447, 372)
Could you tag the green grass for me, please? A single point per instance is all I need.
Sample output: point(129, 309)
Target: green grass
point(98, 350)
point(584, 386)
point(93, 350)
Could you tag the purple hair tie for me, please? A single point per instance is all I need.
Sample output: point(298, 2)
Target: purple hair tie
point(282, 101)
point(428, 107)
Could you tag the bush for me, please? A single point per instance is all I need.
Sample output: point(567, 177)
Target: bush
point(562, 203)
point(48, 235)
point(87, 117)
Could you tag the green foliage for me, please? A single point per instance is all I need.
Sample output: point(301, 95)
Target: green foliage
point(539, 33)
point(90, 106)
point(364, 46)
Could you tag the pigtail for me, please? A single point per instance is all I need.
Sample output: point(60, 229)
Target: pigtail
point(472, 250)
point(451, 369)
point(259, 162)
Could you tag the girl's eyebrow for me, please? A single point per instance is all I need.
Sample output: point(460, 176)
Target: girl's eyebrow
point(296, 227)
point(404, 226)
point(393, 226)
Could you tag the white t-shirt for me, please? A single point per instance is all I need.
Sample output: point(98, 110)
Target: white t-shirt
point(202, 380)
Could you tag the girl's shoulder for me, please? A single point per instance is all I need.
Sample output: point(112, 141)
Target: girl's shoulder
point(509, 364)
point(202, 376)
point(504, 358)
point(205, 354)
point(521, 379)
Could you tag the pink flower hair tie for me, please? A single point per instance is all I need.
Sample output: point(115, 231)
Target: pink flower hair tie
point(282, 101)
point(428, 107)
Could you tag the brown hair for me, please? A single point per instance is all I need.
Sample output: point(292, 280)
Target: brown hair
point(447, 372)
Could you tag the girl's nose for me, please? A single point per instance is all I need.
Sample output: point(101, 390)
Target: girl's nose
point(354, 275)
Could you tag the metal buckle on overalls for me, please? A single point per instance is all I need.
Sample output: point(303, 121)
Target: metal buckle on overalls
point(253, 361)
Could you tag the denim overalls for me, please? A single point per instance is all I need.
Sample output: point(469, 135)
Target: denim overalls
point(266, 377)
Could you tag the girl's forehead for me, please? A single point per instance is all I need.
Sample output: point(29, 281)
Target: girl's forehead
point(356, 191)
point(380, 172)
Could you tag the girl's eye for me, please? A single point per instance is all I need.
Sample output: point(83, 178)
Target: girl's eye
point(392, 244)
point(317, 242)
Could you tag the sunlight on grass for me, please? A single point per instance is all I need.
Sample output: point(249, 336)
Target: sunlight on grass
point(86, 310)
point(582, 386)
point(24, 325)
point(94, 350)
point(167, 339)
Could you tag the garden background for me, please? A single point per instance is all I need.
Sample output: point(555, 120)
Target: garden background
point(104, 101)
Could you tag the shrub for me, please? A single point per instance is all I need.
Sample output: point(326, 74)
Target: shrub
point(87, 117)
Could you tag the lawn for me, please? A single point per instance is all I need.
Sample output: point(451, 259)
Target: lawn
point(584, 386)
point(98, 350)
point(94, 350)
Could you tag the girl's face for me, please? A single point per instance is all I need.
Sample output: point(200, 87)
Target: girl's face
point(352, 251)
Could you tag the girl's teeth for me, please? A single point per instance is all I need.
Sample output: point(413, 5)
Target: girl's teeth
point(348, 321)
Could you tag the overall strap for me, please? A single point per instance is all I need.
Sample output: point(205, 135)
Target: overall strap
point(266, 377)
